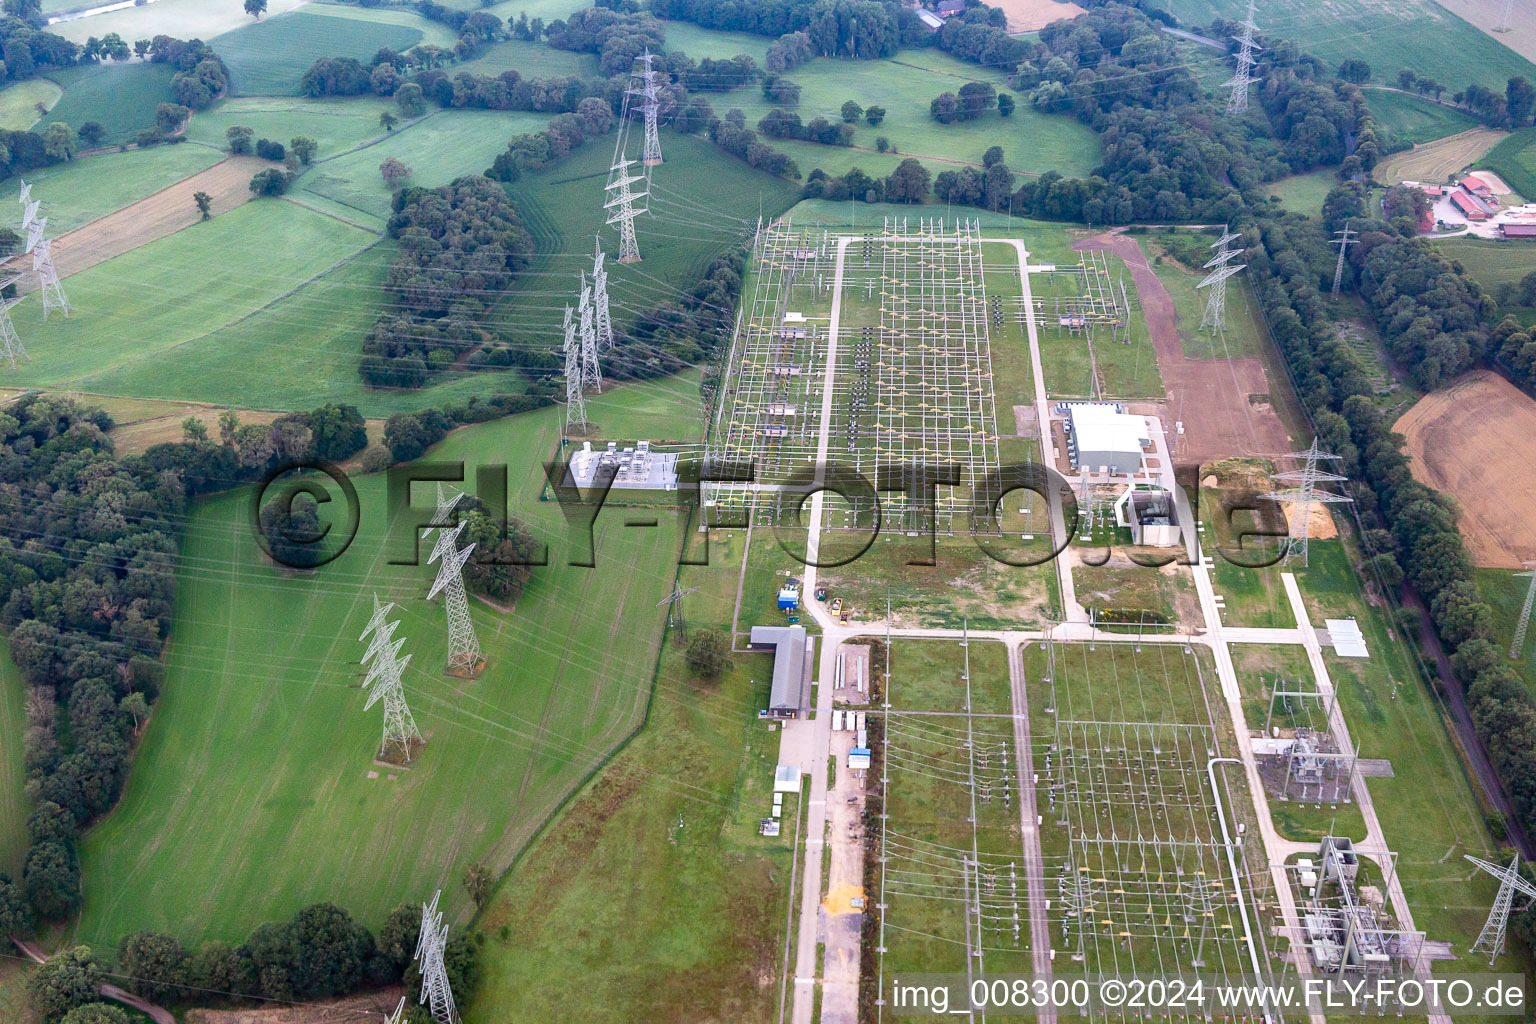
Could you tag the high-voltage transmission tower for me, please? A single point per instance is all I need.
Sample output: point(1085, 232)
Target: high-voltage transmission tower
point(1221, 267)
point(1343, 242)
point(1491, 939)
point(575, 402)
point(1507, 18)
point(674, 602)
point(1525, 614)
point(1237, 101)
point(385, 676)
point(602, 320)
point(622, 202)
point(591, 373)
point(435, 993)
point(398, 1017)
point(1306, 493)
point(10, 344)
point(41, 249)
point(650, 107)
point(464, 657)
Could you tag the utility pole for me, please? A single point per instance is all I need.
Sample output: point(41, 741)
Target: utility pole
point(602, 321)
point(464, 656)
point(650, 106)
point(622, 203)
point(10, 343)
point(575, 403)
point(591, 373)
point(1221, 268)
point(1306, 493)
point(1237, 101)
point(1525, 613)
point(433, 940)
point(675, 602)
point(1491, 939)
point(1343, 242)
point(385, 676)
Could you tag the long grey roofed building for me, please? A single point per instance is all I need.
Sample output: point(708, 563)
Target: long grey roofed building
point(787, 695)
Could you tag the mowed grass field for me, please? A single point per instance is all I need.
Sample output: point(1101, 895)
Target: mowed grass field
point(120, 97)
point(701, 202)
point(14, 806)
point(250, 796)
point(269, 57)
point(180, 289)
point(1386, 34)
point(437, 148)
point(336, 125)
point(1506, 592)
point(531, 60)
point(1490, 262)
point(662, 923)
point(1415, 119)
point(88, 187)
point(1514, 160)
point(904, 86)
point(698, 43)
point(1304, 193)
point(18, 102)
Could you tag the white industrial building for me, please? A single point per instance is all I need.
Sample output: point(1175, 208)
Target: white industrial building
point(636, 468)
point(1103, 436)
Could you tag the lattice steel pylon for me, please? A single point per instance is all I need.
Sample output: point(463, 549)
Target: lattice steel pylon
point(1237, 100)
point(398, 1017)
point(1221, 268)
point(622, 202)
point(385, 678)
point(1506, 17)
point(575, 403)
point(1491, 939)
point(464, 655)
point(1305, 494)
point(436, 994)
point(48, 282)
point(650, 106)
point(602, 320)
point(674, 601)
point(1343, 242)
point(10, 343)
point(591, 372)
point(1518, 644)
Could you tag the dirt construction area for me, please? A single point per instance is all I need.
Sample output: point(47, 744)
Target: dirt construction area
point(164, 213)
point(1220, 418)
point(1437, 161)
point(1033, 15)
point(1476, 440)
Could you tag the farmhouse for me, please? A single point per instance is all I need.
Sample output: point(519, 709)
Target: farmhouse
point(1517, 231)
point(1471, 207)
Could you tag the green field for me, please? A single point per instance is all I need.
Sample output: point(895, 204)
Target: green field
point(692, 918)
point(120, 97)
point(336, 125)
point(1490, 262)
point(437, 148)
point(1415, 119)
point(1506, 592)
point(1514, 160)
point(18, 102)
point(701, 201)
point(531, 60)
point(180, 289)
point(904, 86)
point(1305, 193)
point(1243, 338)
point(269, 57)
point(1417, 34)
point(699, 43)
point(78, 192)
point(233, 778)
point(14, 806)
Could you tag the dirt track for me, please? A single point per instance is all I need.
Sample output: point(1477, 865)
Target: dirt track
point(1219, 419)
point(1476, 440)
point(164, 213)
